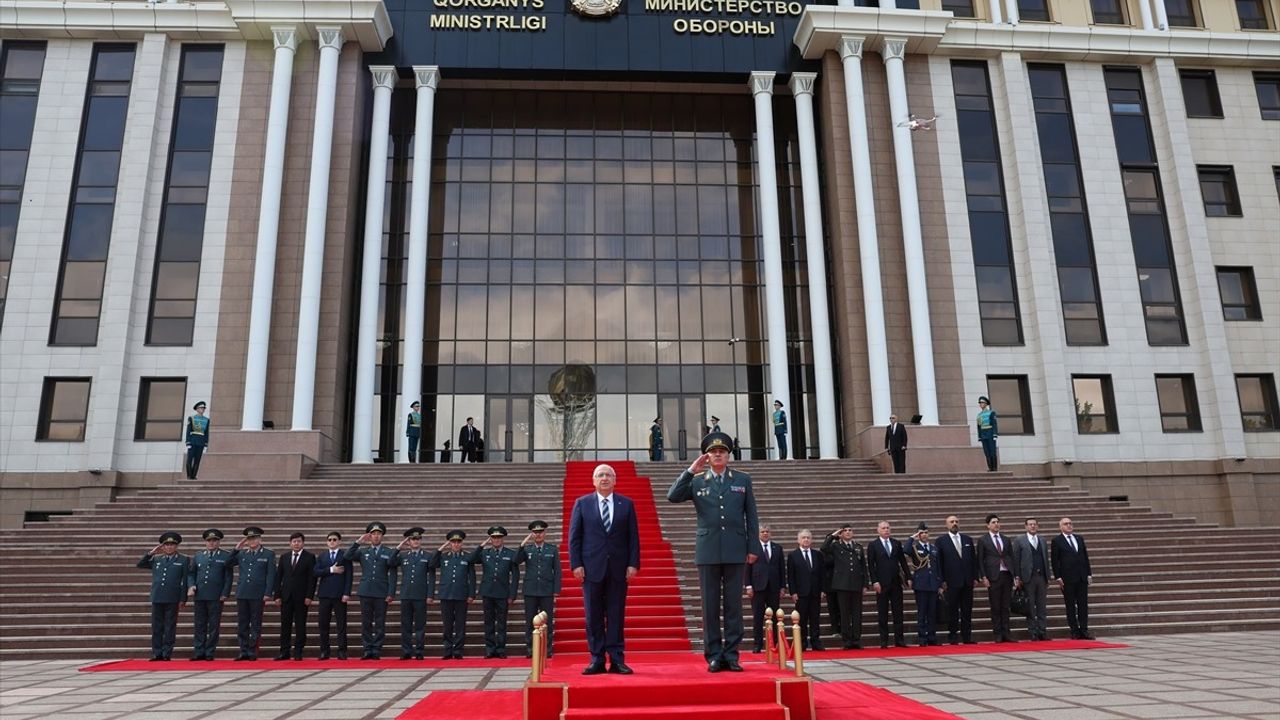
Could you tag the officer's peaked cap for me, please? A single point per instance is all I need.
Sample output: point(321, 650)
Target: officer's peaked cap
point(415, 532)
point(212, 534)
point(496, 531)
point(458, 535)
point(253, 531)
point(170, 537)
point(538, 525)
point(716, 440)
point(375, 526)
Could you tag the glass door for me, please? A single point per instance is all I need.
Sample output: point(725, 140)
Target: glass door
point(508, 433)
point(684, 424)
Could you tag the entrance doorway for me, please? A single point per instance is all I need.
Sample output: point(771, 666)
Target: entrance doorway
point(684, 420)
point(508, 428)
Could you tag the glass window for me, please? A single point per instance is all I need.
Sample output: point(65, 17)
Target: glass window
point(1258, 402)
point(1107, 12)
point(1033, 10)
point(21, 65)
point(1181, 13)
point(1267, 86)
point(1218, 188)
point(1239, 294)
point(1012, 402)
point(1095, 407)
point(1253, 14)
point(959, 8)
point(64, 409)
point(1200, 93)
point(161, 409)
point(1179, 409)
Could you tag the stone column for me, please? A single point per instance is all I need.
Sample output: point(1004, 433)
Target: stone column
point(775, 308)
point(894, 50)
point(426, 78)
point(1014, 17)
point(1162, 15)
point(384, 79)
point(997, 16)
point(264, 266)
point(815, 248)
point(1144, 10)
point(868, 241)
point(304, 379)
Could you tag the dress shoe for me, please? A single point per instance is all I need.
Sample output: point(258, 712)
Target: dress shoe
point(732, 666)
point(757, 649)
point(970, 642)
point(164, 659)
point(620, 669)
point(282, 656)
point(595, 668)
point(714, 666)
point(367, 656)
point(457, 656)
point(550, 654)
point(297, 658)
point(1009, 639)
point(324, 656)
point(418, 656)
point(196, 658)
point(857, 644)
point(447, 656)
point(818, 647)
point(241, 657)
point(847, 646)
point(900, 643)
point(490, 655)
point(375, 656)
point(251, 658)
point(500, 655)
point(1087, 636)
point(528, 656)
point(157, 658)
point(342, 654)
point(406, 656)
point(883, 645)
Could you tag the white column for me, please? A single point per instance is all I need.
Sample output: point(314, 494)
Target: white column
point(775, 308)
point(1144, 9)
point(894, 51)
point(888, 4)
point(1162, 15)
point(1014, 17)
point(264, 266)
point(384, 79)
point(815, 248)
point(304, 379)
point(425, 79)
point(868, 241)
point(997, 16)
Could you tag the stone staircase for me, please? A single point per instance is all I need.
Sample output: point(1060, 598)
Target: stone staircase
point(69, 588)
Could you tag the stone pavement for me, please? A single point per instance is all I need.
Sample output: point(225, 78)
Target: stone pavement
point(1204, 675)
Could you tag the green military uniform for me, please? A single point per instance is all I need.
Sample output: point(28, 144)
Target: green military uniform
point(209, 576)
point(499, 584)
point(457, 586)
point(377, 587)
point(846, 566)
point(257, 579)
point(168, 590)
point(541, 585)
point(417, 583)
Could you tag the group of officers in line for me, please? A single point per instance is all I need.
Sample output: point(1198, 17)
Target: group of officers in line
point(297, 578)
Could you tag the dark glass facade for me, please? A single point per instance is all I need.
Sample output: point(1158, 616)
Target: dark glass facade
point(21, 64)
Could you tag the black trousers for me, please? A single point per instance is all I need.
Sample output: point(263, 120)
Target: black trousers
point(999, 596)
point(249, 625)
point(899, 460)
point(293, 626)
point(960, 612)
point(333, 612)
point(207, 618)
point(926, 615)
point(454, 615)
point(759, 601)
point(850, 615)
point(413, 448)
point(413, 626)
point(833, 612)
point(495, 625)
point(194, 452)
point(890, 597)
point(721, 588)
point(373, 624)
point(989, 450)
point(164, 628)
point(1076, 597)
point(810, 609)
point(782, 444)
point(534, 604)
point(605, 603)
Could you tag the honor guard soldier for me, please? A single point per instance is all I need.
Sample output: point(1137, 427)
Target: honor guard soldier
point(417, 585)
point(846, 565)
point(655, 440)
point(780, 428)
point(168, 592)
point(499, 583)
point(377, 587)
point(197, 439)
point(541, 582)
point(413, 430)
point(257, 567)
point(457, 589)
point(334, 592)
point(209, 578)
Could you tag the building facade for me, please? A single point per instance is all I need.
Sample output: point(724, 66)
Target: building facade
point(568, 219)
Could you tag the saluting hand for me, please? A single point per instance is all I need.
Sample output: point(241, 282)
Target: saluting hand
point(700, 463)
point(365, 538)
point(526, 539)
point(156, 550)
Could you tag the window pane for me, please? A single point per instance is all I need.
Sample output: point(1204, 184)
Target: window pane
point(90, 233)
point(104, 127)
point(17, 119)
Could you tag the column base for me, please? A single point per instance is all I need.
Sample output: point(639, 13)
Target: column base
point(240, 454)
point(930, 449)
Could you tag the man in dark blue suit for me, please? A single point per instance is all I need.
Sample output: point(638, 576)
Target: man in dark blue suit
point(958, 562)
point(334, 592)
point(764, 586)
point(604, 553)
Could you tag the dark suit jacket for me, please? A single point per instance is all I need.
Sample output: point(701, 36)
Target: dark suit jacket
point(895, 438)
point(602, 553)
point(958, 570)
point(800, 579)
point(468, 437)
point(1070, 565)
point(989, 558)
point(331, 585)
point(886, 569)
point(295, 583)
point(768, 574)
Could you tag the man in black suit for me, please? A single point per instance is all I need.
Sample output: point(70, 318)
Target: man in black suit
point(468, 441)
point(958, 561)
point(895, 441)
point(888, 569)
point(847, 568)
point(764, 586)
point(604, 554)
point(1070, 559)
point(995, 558)
point(804, 585)
point(294, 590)
point(334, 575)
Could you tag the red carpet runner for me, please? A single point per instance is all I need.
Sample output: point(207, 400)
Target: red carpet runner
point(655, 614)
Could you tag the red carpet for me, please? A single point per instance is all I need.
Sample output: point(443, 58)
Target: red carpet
point(181, 664)
point(980, 648)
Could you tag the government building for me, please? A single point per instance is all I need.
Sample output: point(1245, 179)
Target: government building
point(567, 218)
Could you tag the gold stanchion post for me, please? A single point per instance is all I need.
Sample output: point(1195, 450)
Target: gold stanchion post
point(780, 627)
point(768, 635)
point(539, 646)
point(797, 642)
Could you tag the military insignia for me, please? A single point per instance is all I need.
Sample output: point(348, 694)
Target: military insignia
point(738, 488)
point(595, 8)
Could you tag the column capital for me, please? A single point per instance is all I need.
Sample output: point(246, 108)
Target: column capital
point(802, 83)
point(850, 46)
point(427, 76)
point(894, 48)
point(330, 37)
point(384, 76)
point(285, 36)
point(762, 82)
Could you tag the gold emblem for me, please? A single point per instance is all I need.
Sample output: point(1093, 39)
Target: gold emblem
point(595, 8)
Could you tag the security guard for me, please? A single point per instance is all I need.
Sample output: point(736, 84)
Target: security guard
point(541, 582)
point(417, 586)
point(499, 584)
point(168, 592)
point(727, 523)
point(197, 438)
point(209, 578)
point(846, 566)
point(377, 587)
point(257, 567)
point(457, 589)
point(413, 430)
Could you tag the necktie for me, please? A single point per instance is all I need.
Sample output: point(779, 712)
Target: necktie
point(808, 560)
point(999, 545)
point(295, 560)
point(767, 554)
point(956, 539)
point(1072, 539)
point(888, 549)
point(333, 556)
point(605, 516)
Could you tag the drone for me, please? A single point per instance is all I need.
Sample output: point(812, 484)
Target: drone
point(914, 123)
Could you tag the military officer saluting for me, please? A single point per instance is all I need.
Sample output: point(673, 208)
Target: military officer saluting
point(499, 583)
point(377, 587)
point(457, 589)
point(257, 567)
point(417, 585)
point(541, 562)
point(209, 578)
point(168, 592)
point(846, 564)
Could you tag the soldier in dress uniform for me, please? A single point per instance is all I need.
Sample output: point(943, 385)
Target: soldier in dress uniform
point(780, 428)
point(846, 564)
point(417, 586)
point(197, 438)
point(541, 582)
point(655, 440)
point(413, 430)
point(926, 581)
point(713, 426)
point(499, 584)
point(168, 592)
point(257, 567)
point(457, 590)
point(209, 578)
point(377, 587)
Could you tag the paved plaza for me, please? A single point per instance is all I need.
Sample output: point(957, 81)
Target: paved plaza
point(1206, 675)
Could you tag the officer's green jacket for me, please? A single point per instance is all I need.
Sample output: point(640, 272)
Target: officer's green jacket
point(377, 574)
point(209, 572)
point(541, 569)
point(257, 573)
point(846, 565)
point(727, 520)
point(499, 571)
point(417, 576)
point(456, 576)
point(168, 576)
